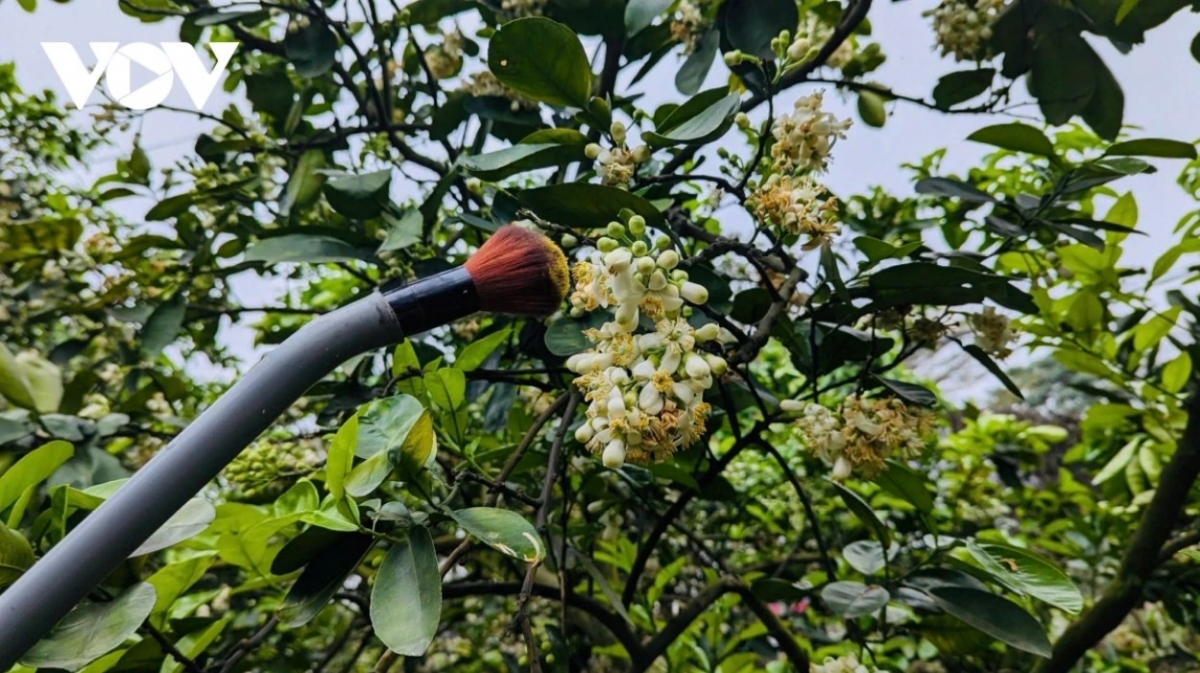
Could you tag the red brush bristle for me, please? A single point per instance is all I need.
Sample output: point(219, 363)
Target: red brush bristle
point(519, 272)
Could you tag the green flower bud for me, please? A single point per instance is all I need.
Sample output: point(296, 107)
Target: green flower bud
point(742, 120)
point(592, 151)
point(637, 225)
point(734, 58)
point(639, 248)
point(606, 244)
point(618, 133)
point(616, 230)
point(569, 241)
point(662, 242)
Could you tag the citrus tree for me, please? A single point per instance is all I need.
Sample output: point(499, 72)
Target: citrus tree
point(720, 454)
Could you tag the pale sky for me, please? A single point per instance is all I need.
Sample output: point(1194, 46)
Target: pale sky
point(1160, 79)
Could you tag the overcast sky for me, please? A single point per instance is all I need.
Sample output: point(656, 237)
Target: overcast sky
point(1162, 94)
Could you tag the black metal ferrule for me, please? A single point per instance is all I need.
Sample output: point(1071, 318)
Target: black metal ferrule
point(434, 301)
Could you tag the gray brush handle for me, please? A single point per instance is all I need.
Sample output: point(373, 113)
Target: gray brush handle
point(88, 554)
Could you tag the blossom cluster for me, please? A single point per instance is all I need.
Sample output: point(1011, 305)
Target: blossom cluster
point(993, 332)
point(644, 389)
point(844, 664)
point(485, 84)
point(810, 36)
point(963, 27)
point(796, 206)
point(864, 433)
point(518, 9)
point(688, 26)
point(616, 165)
point(445, 60)
point(804, 138)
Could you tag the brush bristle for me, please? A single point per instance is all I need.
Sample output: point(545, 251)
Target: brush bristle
point(519, 272)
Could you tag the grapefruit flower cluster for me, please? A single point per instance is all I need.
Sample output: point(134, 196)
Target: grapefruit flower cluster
point(864, 433)
point(963, 27)
point(644, 386)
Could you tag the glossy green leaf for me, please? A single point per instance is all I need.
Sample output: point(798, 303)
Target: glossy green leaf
point(323, 577)
point(359, 196)
point(91, 630)
point(639, 14)
point(854, 599)
point(368, 475)
point(13, 386)
point(311, 48)
point(196, 643)
point(305, 183)
point(1025, 573)
point(1177, 373)
point(406, 601)
point(910, 392)
point(505, 531)
point(403, 231)
point(1015, 136)
point(542, 59)
point(986, 360)
point(586, 206)
point(691, 75)
point(44, 381)
point(1153, 147)
point(865, 556)
point(385, 423)
point(906, 484)
point(863, 512)
point(1062, 75)
point(15, 555)
point(32, 469)
point(340, 456)
point(447, 388)
point(302, 248)
point(173, 580)
point(474, 354)
point(522, 157)
point(163, 325)
point(952, 188)
point(704, 118)
point(189, 521)
point(998, 617)
point(962, 86)
point(752, 24)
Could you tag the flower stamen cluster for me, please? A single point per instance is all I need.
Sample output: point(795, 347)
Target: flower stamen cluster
point(796, 206)
point(688, 25)
point(963, 27)
point(616, 166)
point(445, 60)
point(804, 138)
point(993, 332)
point(865, 432)
point(645, 390)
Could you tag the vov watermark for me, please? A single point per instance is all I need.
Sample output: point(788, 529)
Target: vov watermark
point(113, 61)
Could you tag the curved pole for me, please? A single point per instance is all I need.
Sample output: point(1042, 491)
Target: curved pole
point(97, 546)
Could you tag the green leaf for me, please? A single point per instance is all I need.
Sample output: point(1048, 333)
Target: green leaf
point(961, 86)
point(323, 577)
point(1016, 137)
point(1116, 464)
point(1194, 48)
point(505, 531)
point(419, 448)
point(13, 385)
point(304, 185)
point(384, 424)
point(405, 360)
point(302, 248)
point(1152, 147)
point(333, 515)
point(340, 456)
point(694, 71)
point(474, 354)
point(447, 388)
point(402, 231)
point(639, 14)
point(586, 206)
point(564, 337)
point(872, 109)
point(1105, 111)
point(854, 599)
point(910, 392)
point(1161, 266)
point(196, 643)
point(163, 325)
point(701, 120)
point(189, 521)
point(34, 468)
point(542, 59)
point(1062, 75)
point(998, 617)
point(522, 157)
point(906, 484)
point(865, 556)
point(1027, 574)
point(952, 188)
point(311, 48)
point(44, 380)
point(1177, 373)
point(359, 196)
point(990, 364)
point(173, 580)
point(28, 5)
point(406, 601)
point(863, 512)
point(368, 475)
point(15, 555)
point(923, 282)
point(91, 630)
point(752, 24)
point(1123, 11)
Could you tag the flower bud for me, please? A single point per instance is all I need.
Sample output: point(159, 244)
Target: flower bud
point(708, 332)
point(592, 151)
point(742, 120)
point(841, 469)
point(580, 362)
point(643, 264)
point(641, 154)
point(475, 185)
point(618, 132)
point(637, 225)
point(792, 406)
point(639, 248)
point(694, 293)
point(584, 433)
point(662, 242)
point(606, 244)
point(658, 281)
point(616, 230)
point(669, 259)
point(734, 58)
point(627, 316)
point(569, 241)
point(696, 367)
point(679, 276)
point(717, 364)
point(614, 454)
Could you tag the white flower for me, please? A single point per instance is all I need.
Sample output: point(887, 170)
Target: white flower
point(804, 138)
point(963, 27)
point(993, 332)
point(796, 206)
point(614, 454)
